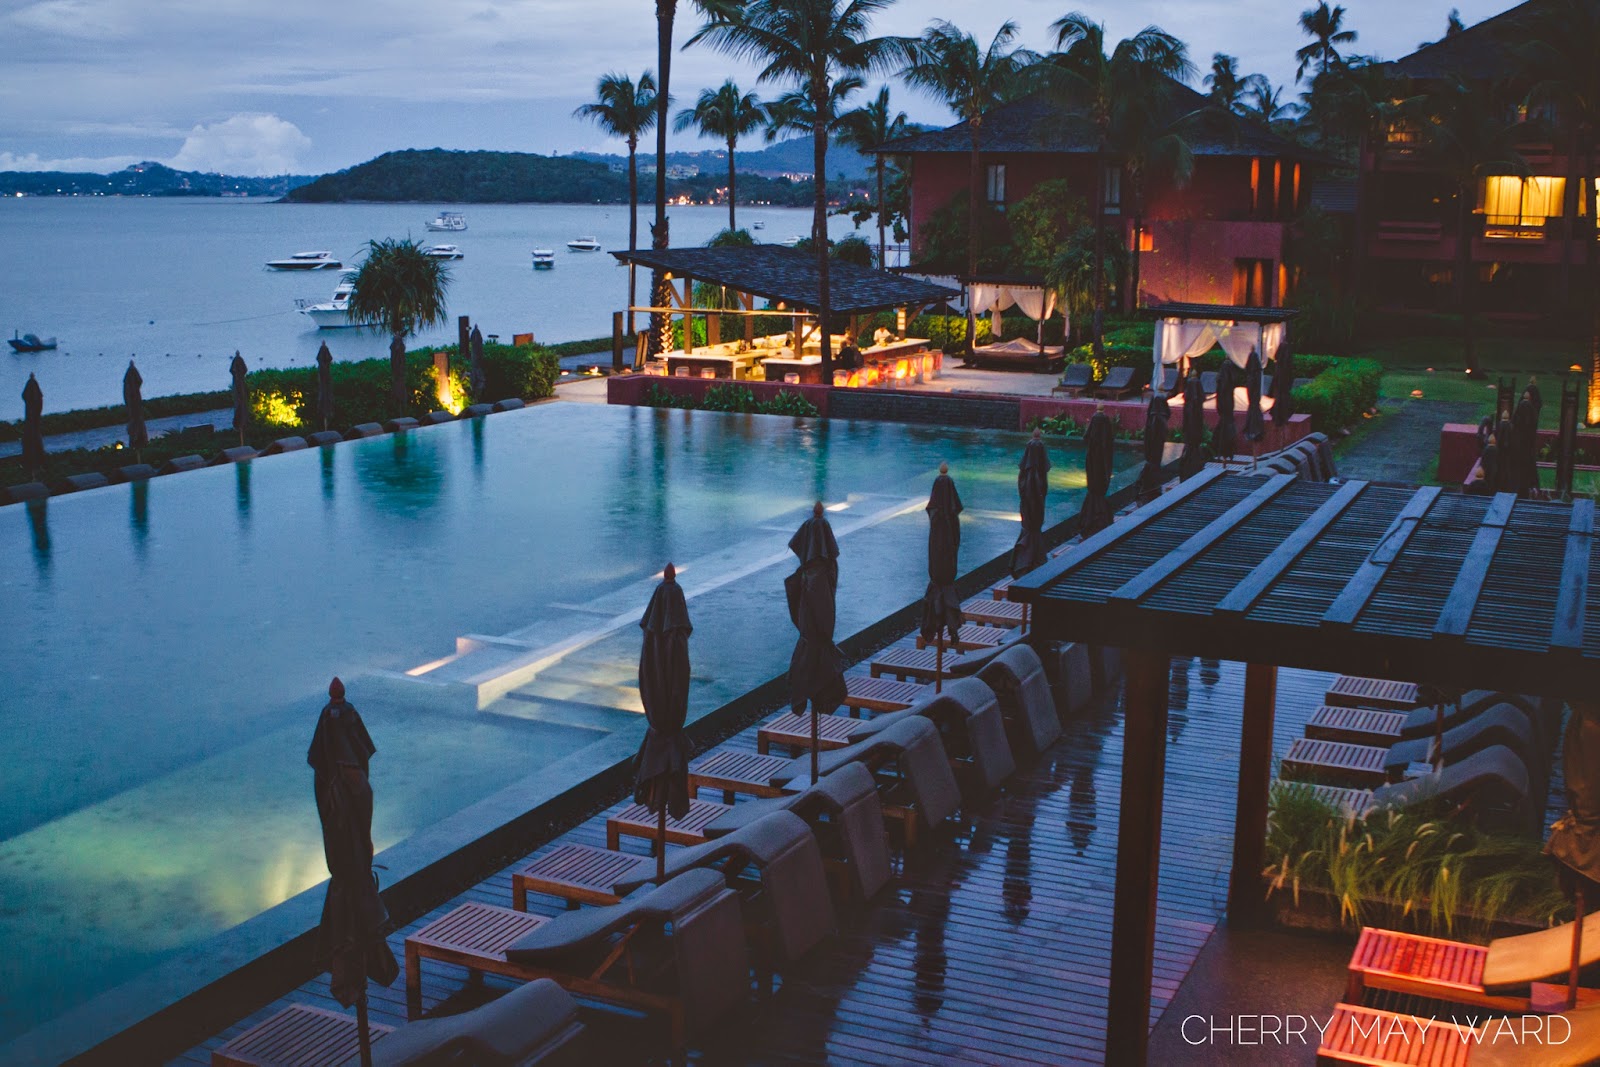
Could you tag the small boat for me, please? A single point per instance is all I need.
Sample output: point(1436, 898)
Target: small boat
point(448, 221)
point(441, 251)
point(31, 342)
point(333, 314)
point(792, 241)
point(758, 225)
point(544, 259)
point(584, 244)
point(306, 261)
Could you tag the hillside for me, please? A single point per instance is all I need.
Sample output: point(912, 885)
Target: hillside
point(143, 179)
point(792, 156)
point(468, 178)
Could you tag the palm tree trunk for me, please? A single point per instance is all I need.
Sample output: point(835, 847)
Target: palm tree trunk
point(972, 240)
point(1097, 336)
point(732, 198)
point(397, 375)
point(819, 218)
point(665, 12)
point(633, 228)
point(1138, 241)
point(1463, 275)
point(883, 263)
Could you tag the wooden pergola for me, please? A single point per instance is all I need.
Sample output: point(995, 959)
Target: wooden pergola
point(1459, 592)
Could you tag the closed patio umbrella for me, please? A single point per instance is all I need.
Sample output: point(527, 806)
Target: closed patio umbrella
point(661, 775)
point(1098, 439)
point(324, 385)
point(816, 668)
point(1033, 484)
point(350, 937)
point(241, 395)
point(1575, 838)
point(941, 607)
point(1156, 420)
point(1283, 384)
point(138, 436)
point(1194, 427)
point(1524, 465)
point(1255, 427)
point(1223, 437)
point(475, 377)
point(32, 425)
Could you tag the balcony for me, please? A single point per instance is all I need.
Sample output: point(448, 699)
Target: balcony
point(1410, 232)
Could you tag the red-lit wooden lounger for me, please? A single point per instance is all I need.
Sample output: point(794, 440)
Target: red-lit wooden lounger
point(675, 951)
point(1508, 974)
point(1375, 1038)
point(913, 663)
point(973, 638)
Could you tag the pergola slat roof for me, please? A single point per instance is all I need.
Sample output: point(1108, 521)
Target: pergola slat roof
point(773, 272)
point(1362, 578)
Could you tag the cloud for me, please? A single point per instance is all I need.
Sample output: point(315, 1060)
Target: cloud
point(73, 18)
point(249, 145)
point(78, 165)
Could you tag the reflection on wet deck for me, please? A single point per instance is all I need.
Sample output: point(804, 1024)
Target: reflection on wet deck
point(991, 944)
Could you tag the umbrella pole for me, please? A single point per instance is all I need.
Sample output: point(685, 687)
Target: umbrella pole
point(1577, 948)
point(938, 666)
point(661, 842)
point(815, 747)
point(362, 1027)
point(1025, 607)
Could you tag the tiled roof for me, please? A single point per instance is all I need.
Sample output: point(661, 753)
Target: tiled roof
point(1484, 50)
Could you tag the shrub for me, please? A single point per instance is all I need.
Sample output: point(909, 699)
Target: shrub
point(1339, 395)
point(1116, 355)
point(735, 398)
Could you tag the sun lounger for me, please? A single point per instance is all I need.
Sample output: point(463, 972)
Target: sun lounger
point(1369, 726)
point(794, 732)
point(535, 1023)
point(971, 728)
point(734, 772)
point(1494, 785)
point(1017, 352)
point(1118, 383)
point(1026, 703)
point(1349, 691)
point(1501, 975)
point(918, 663)
point(1376, 1038)
point(577, 874)
point(846, 816)
point(1501, 724)
point(787, 901)
point(1078, 377)
point(1169, 381)
point(636, 820)
point(974, 638)
point(1348, 802)
point(880, 694)
point(298, 1036)
point(999, 591)
point(986, 609)
point(1334, 763)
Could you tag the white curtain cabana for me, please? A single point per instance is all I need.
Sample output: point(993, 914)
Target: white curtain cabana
point(1180, 339)
point(1035, 301)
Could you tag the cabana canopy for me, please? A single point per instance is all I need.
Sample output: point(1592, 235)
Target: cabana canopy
point(786, 276)
point(1186, 331)
point(1460, 592)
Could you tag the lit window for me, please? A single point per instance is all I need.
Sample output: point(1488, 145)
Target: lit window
point(1518, 207)
point(1145, 241)
point(1113, 189)
point(996, 188)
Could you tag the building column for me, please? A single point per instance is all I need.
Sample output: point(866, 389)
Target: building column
point(1133, 922)
point(1255, 785)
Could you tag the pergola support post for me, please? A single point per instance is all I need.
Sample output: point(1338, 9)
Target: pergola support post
point(1133, 921)
point(1255, 785)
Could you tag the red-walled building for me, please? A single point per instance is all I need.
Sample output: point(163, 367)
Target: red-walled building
point(1220, 239)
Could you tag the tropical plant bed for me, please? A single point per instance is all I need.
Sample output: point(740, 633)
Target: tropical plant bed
point(1319, 910)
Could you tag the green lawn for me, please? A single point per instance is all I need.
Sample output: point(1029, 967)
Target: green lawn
point(1433, 365)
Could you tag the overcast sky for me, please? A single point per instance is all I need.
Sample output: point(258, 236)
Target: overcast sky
point(268, 86)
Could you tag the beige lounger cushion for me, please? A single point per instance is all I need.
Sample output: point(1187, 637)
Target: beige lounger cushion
point(527, 1025)
point(1513, 963)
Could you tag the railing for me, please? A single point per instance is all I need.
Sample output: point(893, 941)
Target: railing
point(1414, 232)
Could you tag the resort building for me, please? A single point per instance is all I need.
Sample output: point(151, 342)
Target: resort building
point(1521, 228)
point(1222, 237)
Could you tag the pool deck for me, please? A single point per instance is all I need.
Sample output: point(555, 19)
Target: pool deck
point(992, 942)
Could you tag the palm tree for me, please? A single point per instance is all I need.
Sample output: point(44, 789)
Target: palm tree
point(1559, 62)
point(1225, 84)
point(399, 290)
point(1264, 101)
point(971, 81)
point(1325, 26)
point(627, 110)
point(728, 114)
point(807, 44)
point(1466, 137)
point(864, 129)
point(1114, 94)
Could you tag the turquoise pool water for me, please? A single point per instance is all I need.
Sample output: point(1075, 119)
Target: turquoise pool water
point(168, 645)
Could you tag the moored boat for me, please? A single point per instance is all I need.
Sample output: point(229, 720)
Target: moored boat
point(544, 259)
point(333, 314)
point(31, 342)
point(448, 221)
point(441, 251)
point(306, 261)
point(584, 244)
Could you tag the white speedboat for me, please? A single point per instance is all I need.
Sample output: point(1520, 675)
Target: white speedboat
point(441, 251)
point(792, 241)
point(544, 259)
point(449, 222)
point(306, 261)
point(584, 244)
point(333, 314)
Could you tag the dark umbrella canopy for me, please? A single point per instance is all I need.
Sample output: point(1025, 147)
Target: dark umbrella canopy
point(133, 400)
point(1098, 439)
point(1283, 384)
point(816, 669)
point(32, 424)
point(1575, 837)
point(353, 915)
point(662, 775)
point(1033, 484)
point(1524, 472)
point(475, 377)
point(1194, 427)
point(1156, 421)
point(324, 385)
point(241, 394)
point(1223, 439)
point(1503, 448)
point(941, 607)
point(1255, 427)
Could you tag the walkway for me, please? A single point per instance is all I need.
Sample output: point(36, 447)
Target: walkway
point(100, 437)
point(992, 943)
point(1402, 443)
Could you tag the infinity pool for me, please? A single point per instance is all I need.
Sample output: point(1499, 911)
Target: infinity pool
point(167, 646)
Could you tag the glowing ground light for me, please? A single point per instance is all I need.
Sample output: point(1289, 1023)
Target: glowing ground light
point(1416, 394)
